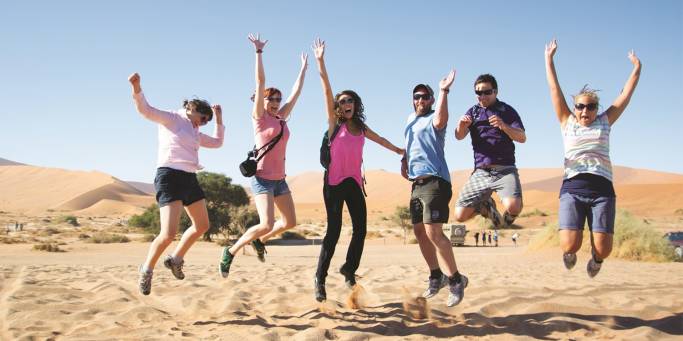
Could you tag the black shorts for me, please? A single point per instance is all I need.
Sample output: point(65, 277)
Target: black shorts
point(429, 200)
point(172, 185)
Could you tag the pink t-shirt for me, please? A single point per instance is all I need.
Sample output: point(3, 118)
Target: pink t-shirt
point(272, 165)
point(179, 140)
point(346, 154)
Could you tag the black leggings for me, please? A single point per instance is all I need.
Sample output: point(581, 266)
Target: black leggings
point(347, 191)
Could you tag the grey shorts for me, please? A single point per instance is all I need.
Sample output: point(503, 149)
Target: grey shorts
point(483, 182)
point(575, 210)
point(429, 200)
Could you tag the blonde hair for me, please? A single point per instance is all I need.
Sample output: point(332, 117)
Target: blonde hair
point(587, 91)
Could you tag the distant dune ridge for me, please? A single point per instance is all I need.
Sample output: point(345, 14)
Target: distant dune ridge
point(32, 189)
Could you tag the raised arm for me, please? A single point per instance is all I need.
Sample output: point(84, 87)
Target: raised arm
point(258, 110)
point(296, 89)
point(215, 141)
point(619, 105)
point(441, 115)
point(149, 112)
point(370, 134)
point(559, 103)
point(319, 52)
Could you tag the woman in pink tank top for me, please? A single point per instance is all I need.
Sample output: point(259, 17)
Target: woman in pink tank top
point(343, 180)
point(269, 187)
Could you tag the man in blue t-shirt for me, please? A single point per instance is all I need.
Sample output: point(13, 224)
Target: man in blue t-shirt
point(493, 126)
point(425, 165)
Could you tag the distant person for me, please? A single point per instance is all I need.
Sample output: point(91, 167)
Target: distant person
point(489, 236)
point(425, 165)
point(494, 126)
point(483, 238)
point(176, 182)
point(495, 238)
point(476, 238)
point(268, 186)
point(343, 181)
point(587, 192)
point(515, 236)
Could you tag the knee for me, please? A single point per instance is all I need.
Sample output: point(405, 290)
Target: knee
point(164, 238)
point(602, 251)
point(201, 228)
point(289, 223)
point(514, 208)
point(571, 247)
point(462, 214)
point(266, 226)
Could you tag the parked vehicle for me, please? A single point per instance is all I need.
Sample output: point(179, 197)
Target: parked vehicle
point(457, 233)
point(676, 240)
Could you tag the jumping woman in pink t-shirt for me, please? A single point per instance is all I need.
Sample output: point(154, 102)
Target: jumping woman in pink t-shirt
point(343, 180)
point(176, 179)
point(268, 186)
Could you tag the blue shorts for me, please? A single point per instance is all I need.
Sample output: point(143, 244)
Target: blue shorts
point(275, 187)
point(173, 185)
point(576, 209)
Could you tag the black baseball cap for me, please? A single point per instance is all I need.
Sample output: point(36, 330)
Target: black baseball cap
point(424, 86)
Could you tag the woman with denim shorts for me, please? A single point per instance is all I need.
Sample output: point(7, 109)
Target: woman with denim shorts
point(343, 182)
point(268, 185)
point(587, 192)
point(176, 179)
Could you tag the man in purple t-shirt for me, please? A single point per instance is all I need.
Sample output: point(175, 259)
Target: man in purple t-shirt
point(493, 126)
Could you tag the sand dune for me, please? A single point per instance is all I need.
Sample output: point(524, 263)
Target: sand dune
point(90, 293)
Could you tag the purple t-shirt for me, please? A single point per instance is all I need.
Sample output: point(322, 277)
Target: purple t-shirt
point(491, 145)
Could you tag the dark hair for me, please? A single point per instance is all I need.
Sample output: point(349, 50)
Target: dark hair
point(267, 93)
point(358, 112)
point(201, 106)
point(487, 78)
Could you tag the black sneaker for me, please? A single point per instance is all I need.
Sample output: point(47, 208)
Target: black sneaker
point(593, 267)
point(176, 268)
point(226, 261)
point(435, 284)
point(144, 281)
point(320, 293)
point(569, 260)
point(457, 292)
point(508, 219)
point(260, 249)
point(349, 278)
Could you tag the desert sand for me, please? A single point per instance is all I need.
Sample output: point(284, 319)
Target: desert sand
point(90, 292)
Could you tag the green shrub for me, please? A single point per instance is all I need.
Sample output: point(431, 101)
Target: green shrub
point(147, 237)
point(69, 219)
point(49, 247)
point(107, 238)
point(290, 235)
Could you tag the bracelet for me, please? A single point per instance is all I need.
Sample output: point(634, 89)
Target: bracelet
point(259, 51)
point(446, 90)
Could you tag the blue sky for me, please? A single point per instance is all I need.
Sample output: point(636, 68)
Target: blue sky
point(67, 103)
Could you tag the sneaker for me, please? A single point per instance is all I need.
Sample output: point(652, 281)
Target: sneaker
point(593, 267)
point(457, 292)
point(488, 210)
point(508, 219)
point(435, 284)
point(349, 278)
point(176, 268)
point(145, 281)
point(260, 249)
point(320, 293)
point(569, 260)
point(226, 261)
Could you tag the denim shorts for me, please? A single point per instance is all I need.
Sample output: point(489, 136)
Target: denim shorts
point(173, 185)
point(274, 187)
point(429, 200)
point(576, 209)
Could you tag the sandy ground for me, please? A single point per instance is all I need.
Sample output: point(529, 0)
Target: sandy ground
point(90, 292)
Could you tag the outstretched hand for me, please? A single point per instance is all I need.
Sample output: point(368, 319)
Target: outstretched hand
point(256, 40)
point(304, 61)
point(445, 83)
point(218, 112)
point(134, 80)
point(319, 48)
point(550, 49)
point(633, 58)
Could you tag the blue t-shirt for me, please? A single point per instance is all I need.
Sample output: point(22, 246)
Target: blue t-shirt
point(425, 147)
point(491, 145)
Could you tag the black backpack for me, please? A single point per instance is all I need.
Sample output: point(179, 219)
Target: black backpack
point(325, 157)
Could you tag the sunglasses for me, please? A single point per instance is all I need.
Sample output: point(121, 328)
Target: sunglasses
point(483, 92)
point(346, 101)
point(589, 106)
point(426, 97)
point(274, 99)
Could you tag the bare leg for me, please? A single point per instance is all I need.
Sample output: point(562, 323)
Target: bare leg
point(602, 245)
point(443, 247)
point(284, 204)
point(266, 211)
point(426, 246)
point(570, 240)
point(200, 224)
point(169, 218)
point(463, 214)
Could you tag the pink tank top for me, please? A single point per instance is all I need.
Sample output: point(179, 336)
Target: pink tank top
point(272, 165)
point(346, 154)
